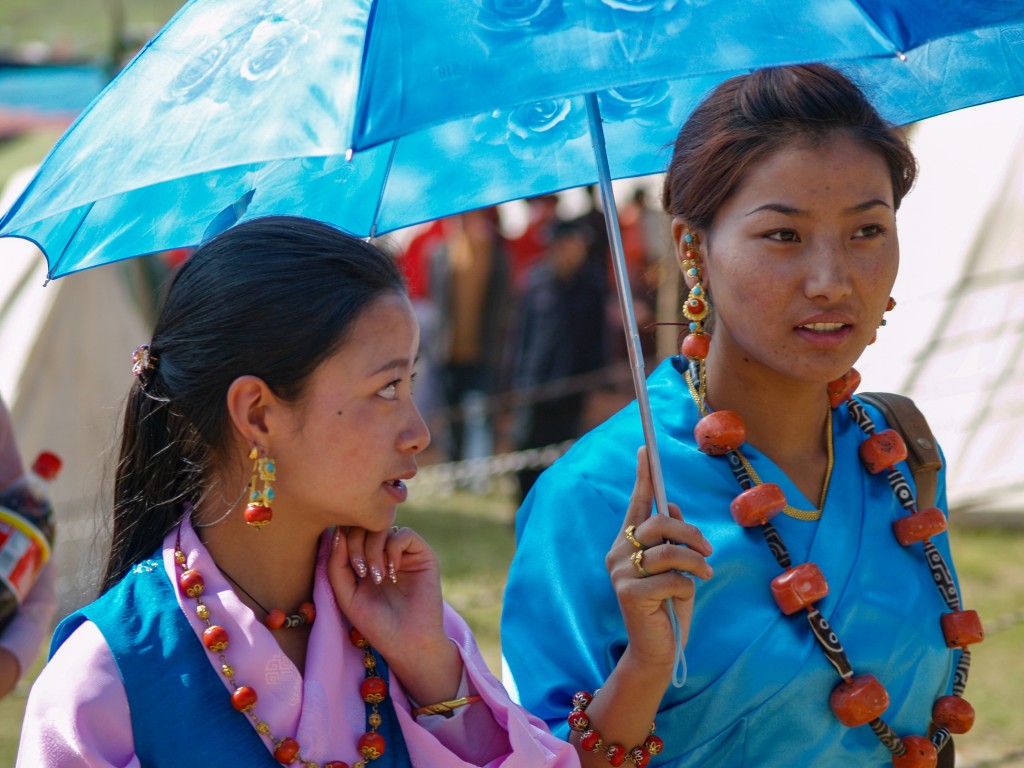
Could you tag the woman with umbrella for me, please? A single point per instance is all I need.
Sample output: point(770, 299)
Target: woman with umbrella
point(783, 191)
point(258, 606)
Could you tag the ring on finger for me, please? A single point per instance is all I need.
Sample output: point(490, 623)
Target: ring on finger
point(637, 559)
point(628, 533)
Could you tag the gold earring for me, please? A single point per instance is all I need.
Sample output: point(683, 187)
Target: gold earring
point(258, 513)
point(695, 308)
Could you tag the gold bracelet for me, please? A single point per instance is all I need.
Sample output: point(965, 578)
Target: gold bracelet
point(444, 707)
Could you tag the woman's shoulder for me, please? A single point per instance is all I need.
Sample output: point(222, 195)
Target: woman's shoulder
point(77, 710)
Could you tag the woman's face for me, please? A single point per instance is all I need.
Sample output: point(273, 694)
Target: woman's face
point(351, 441)
point(799, 261)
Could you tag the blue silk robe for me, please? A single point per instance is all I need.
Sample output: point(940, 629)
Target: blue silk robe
point(758, 684)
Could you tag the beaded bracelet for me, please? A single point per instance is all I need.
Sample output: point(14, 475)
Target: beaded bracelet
point(444, 707)
point(590, 739)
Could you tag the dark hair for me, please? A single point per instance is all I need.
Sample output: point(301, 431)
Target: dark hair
point(749, 116)
point(272, 297)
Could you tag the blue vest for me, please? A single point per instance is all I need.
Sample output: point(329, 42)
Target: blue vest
point(178, 704)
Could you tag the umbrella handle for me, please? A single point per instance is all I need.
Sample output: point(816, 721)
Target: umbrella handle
point(636, 358)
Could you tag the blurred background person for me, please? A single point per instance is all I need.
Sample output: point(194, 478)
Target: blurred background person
point(21, 638)
point(562, 334)
point(470, 289)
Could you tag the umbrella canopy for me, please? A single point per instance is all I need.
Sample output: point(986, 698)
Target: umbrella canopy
point(378, 115)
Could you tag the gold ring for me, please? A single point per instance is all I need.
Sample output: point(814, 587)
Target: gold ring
point(637, 559)
point(631, 538)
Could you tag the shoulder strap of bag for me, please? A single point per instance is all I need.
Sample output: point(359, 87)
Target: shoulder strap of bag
point(923, 456)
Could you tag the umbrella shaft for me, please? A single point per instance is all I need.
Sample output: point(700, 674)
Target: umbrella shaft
point(636, 358)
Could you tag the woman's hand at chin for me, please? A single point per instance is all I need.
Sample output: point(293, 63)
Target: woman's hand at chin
point(388, 585)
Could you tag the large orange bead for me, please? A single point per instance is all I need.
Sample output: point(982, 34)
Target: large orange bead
point(308, 612)
point(921, 753)
point(954, 713)
point(243, 698)
point(962, 628)
point(373, 690)
point(287, 749)
point(798, 587)
point(275, 619)
point(842, 389)
point(859, 700)
point(919, 526)
point(191, 583)
point(720, 432)
point(258, 515)
point(758, 505)
point(696, 346)
point(215, 638)
point(882, 451)
point(371, 745)
point(336, 764)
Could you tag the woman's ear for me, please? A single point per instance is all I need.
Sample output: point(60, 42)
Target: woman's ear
point(249, 401)
point(680, 230)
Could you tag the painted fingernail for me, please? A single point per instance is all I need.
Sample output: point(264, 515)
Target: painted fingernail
point(391, 572)
point(378, 577)
point(359, 565)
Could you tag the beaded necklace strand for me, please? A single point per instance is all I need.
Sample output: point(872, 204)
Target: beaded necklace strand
point(275, 618)
point(373, 689)
point(858, 699)
point(789, 511)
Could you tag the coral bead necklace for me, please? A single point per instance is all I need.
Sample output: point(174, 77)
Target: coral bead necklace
point(858, 699)
point(373, 689)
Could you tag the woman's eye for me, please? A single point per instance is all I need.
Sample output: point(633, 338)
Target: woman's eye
point(871, 230)
point(390, 392)
point(784, 236)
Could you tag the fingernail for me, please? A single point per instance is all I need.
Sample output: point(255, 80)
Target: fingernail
point(711, 571)
point(378, 577)
point(359, 565)
point(391, 572)
point(707, 545)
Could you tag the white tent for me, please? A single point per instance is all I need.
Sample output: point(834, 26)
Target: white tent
point(955, 339)
point(65, 368)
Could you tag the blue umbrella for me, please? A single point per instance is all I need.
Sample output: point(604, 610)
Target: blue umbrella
point(378, 115)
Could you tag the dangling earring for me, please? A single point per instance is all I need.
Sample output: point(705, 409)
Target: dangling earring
point(258, 513)
point(889, 307)
point(695, 308)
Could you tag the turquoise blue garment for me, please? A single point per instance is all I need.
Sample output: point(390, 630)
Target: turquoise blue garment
point(758, 684)
point(168, 679)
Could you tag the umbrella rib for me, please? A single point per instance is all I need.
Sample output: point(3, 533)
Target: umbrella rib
point(51, 273)
point(383, 186)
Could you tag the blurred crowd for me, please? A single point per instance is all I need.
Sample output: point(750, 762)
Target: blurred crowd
point(520, 334)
